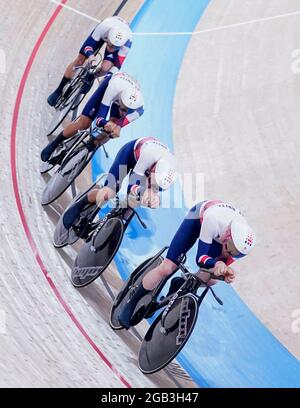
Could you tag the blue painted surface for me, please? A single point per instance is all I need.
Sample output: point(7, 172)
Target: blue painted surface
point(229, 346)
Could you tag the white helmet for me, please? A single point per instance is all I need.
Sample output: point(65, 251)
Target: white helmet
point(118, 35)
point(243, 237)
point(165, 172)
point(132, 98)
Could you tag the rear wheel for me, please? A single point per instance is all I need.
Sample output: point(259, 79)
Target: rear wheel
point(164, 341)
point(96, 254)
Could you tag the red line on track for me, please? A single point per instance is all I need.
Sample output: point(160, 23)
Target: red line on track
point(19, 202)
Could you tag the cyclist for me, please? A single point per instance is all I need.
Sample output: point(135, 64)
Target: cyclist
point(118, 94)
point(116, 33)
point(223, 235)
point(152, 168)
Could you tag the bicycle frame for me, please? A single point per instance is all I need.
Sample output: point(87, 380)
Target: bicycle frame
point(101, 246)
point(126, 214)
point(191, 285)
point(76, 83)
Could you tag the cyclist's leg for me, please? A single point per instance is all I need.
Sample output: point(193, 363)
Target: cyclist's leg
point(107, 63)
point(92, 107)
point(74, 211)
point(79, 60)
point(117, 173)
point(121, 166)
point(68, 75)
point(111, 186)
point(182, 242)
point(97, 196)
point(89, 47)
point(113, 61)
point(82, 123)
point(105, 67)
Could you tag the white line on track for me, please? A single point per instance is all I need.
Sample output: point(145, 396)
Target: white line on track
point(75, 11)
point(208, 30)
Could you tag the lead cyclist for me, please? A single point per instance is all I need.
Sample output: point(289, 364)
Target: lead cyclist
point(112, 31)
point(223, 236)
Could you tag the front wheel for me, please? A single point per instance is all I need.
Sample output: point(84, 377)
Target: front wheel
point(167, 336)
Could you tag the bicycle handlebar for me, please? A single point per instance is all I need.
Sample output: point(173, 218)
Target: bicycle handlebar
point(220, 278)
point(184, 269)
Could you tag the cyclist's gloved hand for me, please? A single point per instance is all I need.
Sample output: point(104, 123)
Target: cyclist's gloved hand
point(150, 199)
point(116, 132)
point(229, 275)
point(110, 127)
point(113, 127)
point(220, 268)
point(134, 196)
point(96, 129)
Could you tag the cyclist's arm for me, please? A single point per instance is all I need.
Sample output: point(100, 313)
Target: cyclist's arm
point(99, 31)
point(137, 184)
point(101, 117)
point(92, 44)
point(106, 102)
point(122, 54)
point(131, 116)
point(203, 259)
point(208, 232)
point(138, 181)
